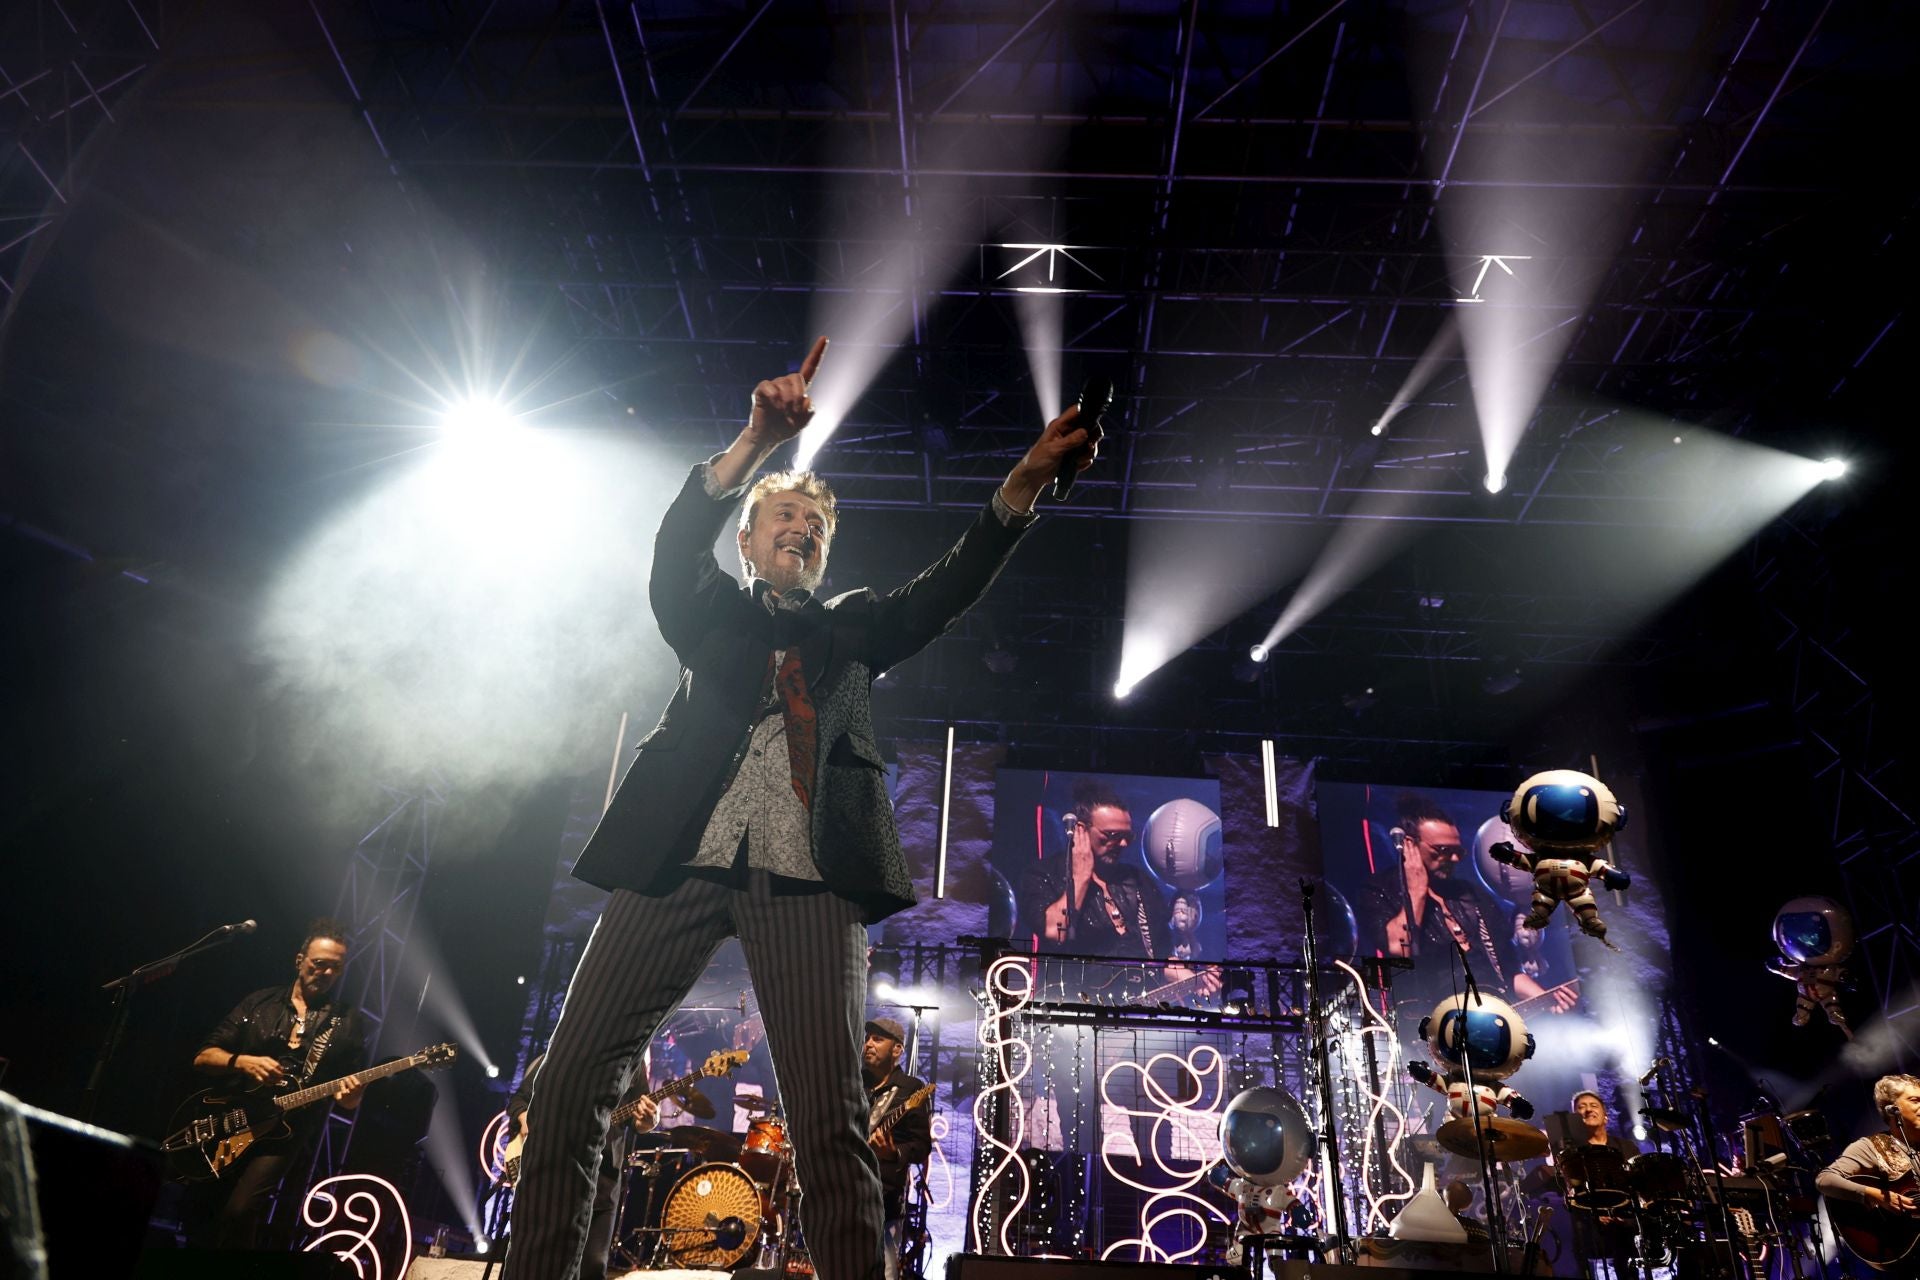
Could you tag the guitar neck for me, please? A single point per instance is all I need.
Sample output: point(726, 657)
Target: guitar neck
point(899, 1113)
point(1572, 984)
point(628, 1111)
point(313, 1093)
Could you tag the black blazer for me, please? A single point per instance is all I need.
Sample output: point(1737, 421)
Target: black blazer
point(722, 636)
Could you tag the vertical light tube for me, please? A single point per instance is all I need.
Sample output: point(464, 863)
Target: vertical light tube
point(946, 803)
point(1271, 781)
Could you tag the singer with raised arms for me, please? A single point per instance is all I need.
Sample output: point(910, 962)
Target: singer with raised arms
point(757, 807)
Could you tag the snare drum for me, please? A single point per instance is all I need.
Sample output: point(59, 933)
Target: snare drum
point(712, 1217)
point(1596, 1177)
point(1659, 1180)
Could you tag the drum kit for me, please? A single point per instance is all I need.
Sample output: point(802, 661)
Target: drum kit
point(1655, 1208)
point(730, 1202)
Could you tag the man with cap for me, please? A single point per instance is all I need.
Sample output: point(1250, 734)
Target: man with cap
point(906, 1143)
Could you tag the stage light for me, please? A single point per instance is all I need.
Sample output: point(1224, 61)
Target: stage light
point(1247, 668)
point(1378, 428)
point(1713, 1042)
point(520, 981)
point(1121, 689)
point(1000, 660)
point(480, 1245)
point(1258, 653)
point(1358, 702)
point(1639, 1132)
point(1495, 481)
point(477, 416)
point(883, 972)
point(493, 1072)
point(1832, 468)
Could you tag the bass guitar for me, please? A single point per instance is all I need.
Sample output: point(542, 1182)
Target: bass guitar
point(723, 1063)
point(221, 1123)
point(1884, 1239)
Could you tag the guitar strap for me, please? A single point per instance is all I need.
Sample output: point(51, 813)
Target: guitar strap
point(1892, 1155)
point(317, 1049)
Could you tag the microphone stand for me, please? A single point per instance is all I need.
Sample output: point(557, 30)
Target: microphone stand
point(1496, 1217)
point(123, 988)
point(1317, 1022)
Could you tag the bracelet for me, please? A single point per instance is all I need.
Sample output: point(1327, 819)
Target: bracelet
point(232, 1058)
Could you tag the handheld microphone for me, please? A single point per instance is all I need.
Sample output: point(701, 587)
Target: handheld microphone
point(1652, 1071)
point(245, 926)
point(1096, 397)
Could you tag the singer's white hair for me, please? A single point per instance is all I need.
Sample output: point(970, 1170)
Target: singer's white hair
point(1888, 1090)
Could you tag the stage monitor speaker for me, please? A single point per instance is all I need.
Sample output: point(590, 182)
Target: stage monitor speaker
point(426, 1268)
point(977, 1266)
point(1369, 1268)
point(240, 1264)
point(79, 1194)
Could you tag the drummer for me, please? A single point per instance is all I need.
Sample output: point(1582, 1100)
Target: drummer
point(1590, 1125)
point(1600, 1236)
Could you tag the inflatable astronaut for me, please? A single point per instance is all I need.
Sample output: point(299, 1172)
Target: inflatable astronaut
point(1565, 819)
point(1815, 937)
point(1478, 1041)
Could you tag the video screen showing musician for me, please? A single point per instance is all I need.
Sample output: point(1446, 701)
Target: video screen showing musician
point(1870, 1188)
point(899, 1121)
point(1126, 867)
point(635, 1113)
point(1421, 893)
point(282, 1037)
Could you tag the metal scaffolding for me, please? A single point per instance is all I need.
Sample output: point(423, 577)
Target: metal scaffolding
point(378, 900)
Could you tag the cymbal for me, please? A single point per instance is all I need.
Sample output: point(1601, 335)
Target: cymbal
point(1507, 1139)
point(753, 1102)
point(694, 1103)
point(706, 1143)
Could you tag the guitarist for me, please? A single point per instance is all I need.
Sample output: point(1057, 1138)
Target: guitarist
point(606, 1187)
point(273, 1039)
point(911, 1138)
point(1878, 1170)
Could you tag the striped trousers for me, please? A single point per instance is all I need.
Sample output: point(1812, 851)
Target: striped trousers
point(807, 954)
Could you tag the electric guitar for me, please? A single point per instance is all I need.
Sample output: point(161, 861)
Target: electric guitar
point(898, 1112)
point(1522, 1006)
point(722, 1063)
point(223, 1122)
point(1884, 1239)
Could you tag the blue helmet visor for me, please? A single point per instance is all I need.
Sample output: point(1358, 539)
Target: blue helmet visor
point(1481, 1036)
point(1562, 812)
point(1803, 935)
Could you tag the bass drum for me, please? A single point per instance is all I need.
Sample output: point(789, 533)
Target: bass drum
point(711, 1217)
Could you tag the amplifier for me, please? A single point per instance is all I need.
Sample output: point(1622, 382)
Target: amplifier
point(976, 1266)
point(82, 1194)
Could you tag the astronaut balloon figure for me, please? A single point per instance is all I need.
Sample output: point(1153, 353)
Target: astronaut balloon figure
point(1266, 1143)
point(1566, 820)
point(1815, 937)
point(1478, 1042)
